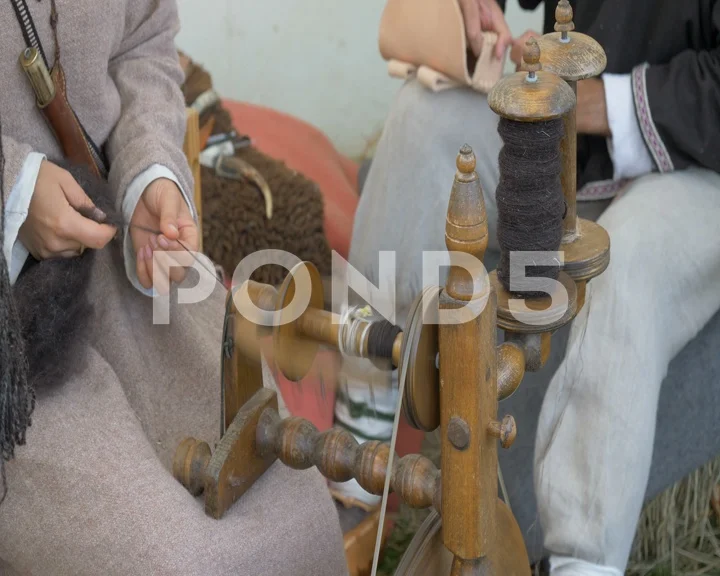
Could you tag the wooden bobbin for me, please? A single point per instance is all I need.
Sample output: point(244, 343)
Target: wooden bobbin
point(534, 95)
point(574, 56)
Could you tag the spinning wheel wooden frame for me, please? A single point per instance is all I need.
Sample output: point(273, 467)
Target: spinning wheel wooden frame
point(459, 392)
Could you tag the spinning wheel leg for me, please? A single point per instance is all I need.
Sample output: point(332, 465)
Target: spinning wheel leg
point(236, 464)
point(258, 436)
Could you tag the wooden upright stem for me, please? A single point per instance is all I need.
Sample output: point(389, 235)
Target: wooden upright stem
point(568, 177)
point(468, 379)
point(468, 394)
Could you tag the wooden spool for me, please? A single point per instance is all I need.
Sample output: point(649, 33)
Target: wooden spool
point(574, 56)
point(534, 95)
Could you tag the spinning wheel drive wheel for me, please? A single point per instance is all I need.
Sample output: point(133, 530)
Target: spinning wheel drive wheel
point(427, 555)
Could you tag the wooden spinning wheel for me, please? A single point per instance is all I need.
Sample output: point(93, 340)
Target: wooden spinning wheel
point(453, 372)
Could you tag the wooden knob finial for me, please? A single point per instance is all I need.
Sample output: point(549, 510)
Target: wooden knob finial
point(505, 431)
point(564, 18)
point(466, 229)
point(189, 464)
point(531, 58)
point(466, 160)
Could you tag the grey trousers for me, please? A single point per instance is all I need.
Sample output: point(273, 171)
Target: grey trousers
point(596, 429)
point(91, 492)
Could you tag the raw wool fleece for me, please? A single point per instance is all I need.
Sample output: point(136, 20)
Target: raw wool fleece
point(52, 301)
point(233, 212)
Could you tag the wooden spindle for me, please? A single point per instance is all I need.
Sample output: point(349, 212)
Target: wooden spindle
point(339, 457)
point(468, 381)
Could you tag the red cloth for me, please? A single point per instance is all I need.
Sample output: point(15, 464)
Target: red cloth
point(306, 149)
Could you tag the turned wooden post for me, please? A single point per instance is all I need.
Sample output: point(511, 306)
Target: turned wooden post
point(468, 380)
point(568, 145)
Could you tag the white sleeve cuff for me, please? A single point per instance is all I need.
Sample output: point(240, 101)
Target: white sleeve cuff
point(16, 211)
point(629, 154)
point(130, 202)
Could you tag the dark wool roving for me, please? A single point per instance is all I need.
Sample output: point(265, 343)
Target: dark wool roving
point(17, 399)
point(52, 297)
point(529, 197)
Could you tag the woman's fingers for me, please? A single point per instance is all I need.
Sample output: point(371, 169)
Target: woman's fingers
point(503, 32)
point(89, 234)
point(77, 227)
point(160, 271)
point(166, 264)
point(144, 274)
point(473, 28)
point(162, 261)
point(189, 234)
point(181, 258)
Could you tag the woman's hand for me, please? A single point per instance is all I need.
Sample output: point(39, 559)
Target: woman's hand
point(485, 16)
point(53, 227)
point(162, 208)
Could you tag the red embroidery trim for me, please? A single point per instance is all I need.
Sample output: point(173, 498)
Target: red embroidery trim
point(647, 126)
point(601, 190)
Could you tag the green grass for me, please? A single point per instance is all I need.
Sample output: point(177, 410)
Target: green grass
point(660, 572)
point(405, 527)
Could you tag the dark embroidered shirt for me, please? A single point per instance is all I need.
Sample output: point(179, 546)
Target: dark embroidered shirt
point(672, 50)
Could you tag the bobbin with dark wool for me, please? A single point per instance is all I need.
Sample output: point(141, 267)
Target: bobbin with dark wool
point(531, 105)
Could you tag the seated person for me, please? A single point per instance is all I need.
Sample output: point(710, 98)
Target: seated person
point(649, 139)
point(91, 492)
